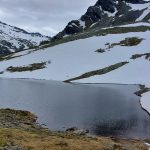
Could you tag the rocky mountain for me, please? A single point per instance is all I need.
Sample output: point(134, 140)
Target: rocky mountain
point(106, 13)
point(14, 39)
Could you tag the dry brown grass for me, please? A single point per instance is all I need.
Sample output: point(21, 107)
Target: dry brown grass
point(43, 141)
point(29, 136)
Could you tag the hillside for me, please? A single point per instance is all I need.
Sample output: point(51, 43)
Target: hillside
point(72, 59)
point(14, 39)
point(118, 54)
point(20, 131)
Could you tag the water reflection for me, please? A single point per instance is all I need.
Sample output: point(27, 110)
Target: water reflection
point(104, 109)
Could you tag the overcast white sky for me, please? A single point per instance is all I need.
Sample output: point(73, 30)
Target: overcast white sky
point(44, 16)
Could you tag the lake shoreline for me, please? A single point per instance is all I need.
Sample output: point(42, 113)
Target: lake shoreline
point(20, 130)
point(34, 79)
point(103, 109)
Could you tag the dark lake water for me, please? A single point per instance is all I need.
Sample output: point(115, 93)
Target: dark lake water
point(104, 109)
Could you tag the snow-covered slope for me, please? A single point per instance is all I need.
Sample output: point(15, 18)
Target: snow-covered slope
point(77, 57)
point(15, 39)
point(110, 55)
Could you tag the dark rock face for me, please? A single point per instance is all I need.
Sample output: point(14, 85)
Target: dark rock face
point(105, 13)
point(135, 1)
point(73, 27)
point(92, 15)
point(107, 5)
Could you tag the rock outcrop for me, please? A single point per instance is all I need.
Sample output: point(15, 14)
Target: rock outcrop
point(107, 13)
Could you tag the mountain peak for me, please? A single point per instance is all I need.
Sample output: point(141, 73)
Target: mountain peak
point(107, 13)
point(14, 39)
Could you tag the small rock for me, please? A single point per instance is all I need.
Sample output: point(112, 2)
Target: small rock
point(72, 129)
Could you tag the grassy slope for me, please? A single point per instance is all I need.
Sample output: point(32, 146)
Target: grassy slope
point(27, 135)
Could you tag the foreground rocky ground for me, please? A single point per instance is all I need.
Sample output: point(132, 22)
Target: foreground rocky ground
point(19, 131)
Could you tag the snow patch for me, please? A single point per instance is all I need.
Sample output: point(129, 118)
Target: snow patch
point(145, 101)
point(144, 14)
point(111, 14)
point(82, 23)
point(138, 6)
point(148, 145)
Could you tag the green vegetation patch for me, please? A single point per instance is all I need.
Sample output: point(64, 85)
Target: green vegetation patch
point(100, 32)
point(44, 42)
point(136, 56)
point(31, 67)
point(130, 41)
point(99, 72)
point(133, 41)
point(8, 57)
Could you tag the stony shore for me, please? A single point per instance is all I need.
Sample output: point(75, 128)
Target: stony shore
point(20, 131)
